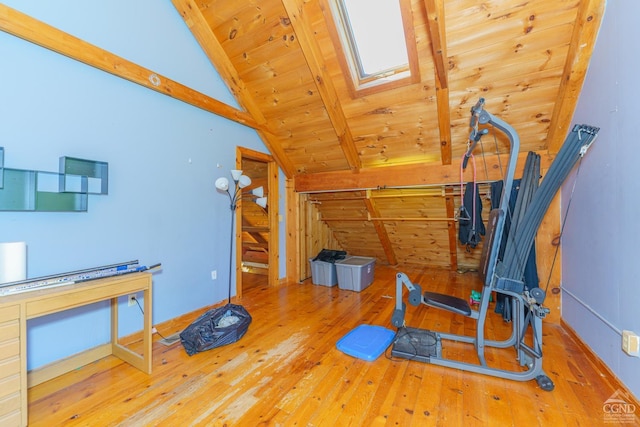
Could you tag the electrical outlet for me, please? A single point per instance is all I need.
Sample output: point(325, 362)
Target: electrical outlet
point(631, 343)
point(131, 299)
point(214, 274)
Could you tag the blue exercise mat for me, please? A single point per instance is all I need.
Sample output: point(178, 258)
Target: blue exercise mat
point(366, 342)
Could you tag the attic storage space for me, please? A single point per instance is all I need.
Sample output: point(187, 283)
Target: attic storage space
point(410, 227)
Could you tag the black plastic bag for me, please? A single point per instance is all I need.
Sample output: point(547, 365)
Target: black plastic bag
point(215, 328)
point(330, 255)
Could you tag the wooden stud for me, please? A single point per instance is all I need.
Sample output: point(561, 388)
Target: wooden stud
point(453, 229)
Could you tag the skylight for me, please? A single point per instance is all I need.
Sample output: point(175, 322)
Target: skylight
point(377, 47)
point(378, 35)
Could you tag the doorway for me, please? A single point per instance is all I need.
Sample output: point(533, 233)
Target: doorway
point(257, 227)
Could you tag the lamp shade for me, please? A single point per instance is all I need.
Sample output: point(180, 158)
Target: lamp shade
point(262, 202)
point(236, 174)
point(222, 184)
point(258, 191)
point(244, 181)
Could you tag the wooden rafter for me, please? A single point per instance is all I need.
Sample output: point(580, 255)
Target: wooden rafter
point(209, 43)
point(383, 236)
point(583, 40)
point(444, 123)
point(37, 32)
point(435, 21)
point(422, 174)
point(323, 81)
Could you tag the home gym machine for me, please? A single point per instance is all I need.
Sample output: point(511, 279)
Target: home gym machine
point(501, 273)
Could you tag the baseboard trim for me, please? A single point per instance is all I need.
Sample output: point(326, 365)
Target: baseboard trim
point(599, 364)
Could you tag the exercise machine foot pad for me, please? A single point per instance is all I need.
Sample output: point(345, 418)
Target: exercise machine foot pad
point(416, 344)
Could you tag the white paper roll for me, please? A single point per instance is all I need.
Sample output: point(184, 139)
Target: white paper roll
point(13, 261)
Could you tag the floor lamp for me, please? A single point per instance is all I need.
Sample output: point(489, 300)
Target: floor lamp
point(235, 193)
point(227, 324)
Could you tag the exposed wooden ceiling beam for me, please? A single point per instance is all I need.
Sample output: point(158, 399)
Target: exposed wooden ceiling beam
point(330, 98)
point(444, 123)
point(435, 21)
point(37, 32)
point(583, 41)
point(421, 174)
point(211, 46)
point(381, 230)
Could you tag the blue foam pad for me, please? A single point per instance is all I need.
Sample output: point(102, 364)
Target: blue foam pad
point(366, 342)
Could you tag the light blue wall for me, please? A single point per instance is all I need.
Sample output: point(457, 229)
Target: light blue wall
point(600, 242)
point(162, 205)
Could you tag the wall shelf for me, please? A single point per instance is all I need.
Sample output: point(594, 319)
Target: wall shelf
point(96, 172)
point(64, 191)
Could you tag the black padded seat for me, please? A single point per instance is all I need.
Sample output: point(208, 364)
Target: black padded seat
point(447, 302)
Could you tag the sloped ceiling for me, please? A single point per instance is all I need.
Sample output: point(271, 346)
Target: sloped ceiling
point(526, 58)
point(349, 155)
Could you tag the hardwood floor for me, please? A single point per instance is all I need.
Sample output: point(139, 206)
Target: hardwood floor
point(253, 280)
point(287, 371)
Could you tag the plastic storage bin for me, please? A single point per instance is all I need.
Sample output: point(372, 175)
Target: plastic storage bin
point(355, 273)
point(323, 273)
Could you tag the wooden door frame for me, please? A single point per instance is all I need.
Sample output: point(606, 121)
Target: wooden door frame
point(273, 211)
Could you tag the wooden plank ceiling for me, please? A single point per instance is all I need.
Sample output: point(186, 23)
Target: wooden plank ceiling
point(380, 171)
point(526, 58)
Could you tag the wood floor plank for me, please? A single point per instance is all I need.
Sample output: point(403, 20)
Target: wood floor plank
point(382, 403)
point(405, 399)
point(287, 371)
point(428, 396)
point(357, 406)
